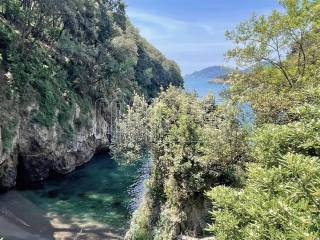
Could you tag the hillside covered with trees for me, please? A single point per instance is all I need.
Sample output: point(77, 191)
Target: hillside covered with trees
point(214, 175)
point(207, 74)
point(59, 61)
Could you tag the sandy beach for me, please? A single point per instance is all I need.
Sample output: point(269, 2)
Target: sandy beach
point(20, 219)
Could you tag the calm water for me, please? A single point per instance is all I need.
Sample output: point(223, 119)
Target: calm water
point(246, 115)
point(101, 191)
point(204, 87)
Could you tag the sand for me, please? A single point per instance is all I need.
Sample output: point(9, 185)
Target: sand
point(20, 219)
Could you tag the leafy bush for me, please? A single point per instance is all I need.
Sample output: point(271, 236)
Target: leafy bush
point(6, 37)
point(140, 224)
point(280, 198)
point(278, 202)
point(130, 140)
point(194, 145)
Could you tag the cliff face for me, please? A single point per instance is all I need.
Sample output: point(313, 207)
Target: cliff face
point(37, 151)
point(65, 70)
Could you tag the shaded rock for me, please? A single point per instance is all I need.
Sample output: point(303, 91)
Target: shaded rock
point(38, 151)
point(116, 204)
point(82, 195)
point(8, 174)
point(53, 193)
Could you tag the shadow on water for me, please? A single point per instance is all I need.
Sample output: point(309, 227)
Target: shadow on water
point(96, 200)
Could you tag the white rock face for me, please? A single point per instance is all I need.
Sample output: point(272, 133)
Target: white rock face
point(40, 151)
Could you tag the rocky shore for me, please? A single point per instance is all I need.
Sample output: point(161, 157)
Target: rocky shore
point(37, 151)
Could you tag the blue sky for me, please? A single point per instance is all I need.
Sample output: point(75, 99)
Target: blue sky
point(191, 32)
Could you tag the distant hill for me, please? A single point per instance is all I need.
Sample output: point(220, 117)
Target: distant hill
point(208, 74)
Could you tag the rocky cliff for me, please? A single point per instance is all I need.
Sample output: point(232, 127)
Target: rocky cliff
point(62, 64)
point(36, 151)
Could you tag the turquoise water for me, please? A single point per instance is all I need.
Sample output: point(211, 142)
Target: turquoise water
point(102, 192)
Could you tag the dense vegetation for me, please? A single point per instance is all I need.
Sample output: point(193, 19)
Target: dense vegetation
point(264, 182)
point(280, 198)
point(194, 145)
point(58, 56)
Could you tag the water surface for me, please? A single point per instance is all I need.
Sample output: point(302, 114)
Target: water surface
point(101, 192)
point(203, 88)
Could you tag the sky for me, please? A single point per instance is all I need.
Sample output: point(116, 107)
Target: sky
point(191, 32)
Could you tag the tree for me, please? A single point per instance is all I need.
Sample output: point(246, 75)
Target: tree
point(280, 39)
point(281, 51)
point(74, 52)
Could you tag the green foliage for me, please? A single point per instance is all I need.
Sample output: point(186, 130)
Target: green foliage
point(6, 38)
point(64, 118)
point(150, 72)
point(270, 38)
point(168, 222)
point(279, 202)
point(47, 111)
point(45, 81)
point(280, 197)
point(271, 142)
point(194, 145)
point(64, 55)
point(130, 141)
point(281, 51)
point(140, 223)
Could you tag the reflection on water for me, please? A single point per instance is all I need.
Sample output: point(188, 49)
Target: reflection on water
point(101, 192)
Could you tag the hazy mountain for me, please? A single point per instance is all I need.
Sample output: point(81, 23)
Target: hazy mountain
point(208, 74)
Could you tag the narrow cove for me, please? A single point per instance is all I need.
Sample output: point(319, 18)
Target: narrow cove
point(94, 202)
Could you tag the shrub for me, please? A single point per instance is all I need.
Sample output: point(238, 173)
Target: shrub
point(278, 202)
